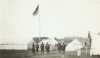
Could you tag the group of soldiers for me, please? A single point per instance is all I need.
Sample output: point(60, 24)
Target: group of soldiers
point(35, 48)
point(46, 47)
point(61, 47)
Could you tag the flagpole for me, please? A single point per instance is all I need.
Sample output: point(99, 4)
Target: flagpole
point(39, 21)
point(37, 13)
point(39, 26)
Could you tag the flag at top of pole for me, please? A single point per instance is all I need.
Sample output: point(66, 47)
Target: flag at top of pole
point(36, 11)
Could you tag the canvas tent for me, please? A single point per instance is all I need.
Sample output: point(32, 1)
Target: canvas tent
point(29, 45)
point(74, 45)
point(95, 45)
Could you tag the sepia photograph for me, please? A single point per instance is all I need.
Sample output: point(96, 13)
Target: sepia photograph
point(49, 28)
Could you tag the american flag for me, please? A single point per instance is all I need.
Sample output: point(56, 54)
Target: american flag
point(36, 11)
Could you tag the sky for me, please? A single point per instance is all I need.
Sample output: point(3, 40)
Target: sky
point(58, 18)
point(62, 18)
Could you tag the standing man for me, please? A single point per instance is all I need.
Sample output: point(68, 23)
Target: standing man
point(33, 48)
point(42, 49)
point(63, 48)
point(47, 47)
point(37, 48)
point(59, 47)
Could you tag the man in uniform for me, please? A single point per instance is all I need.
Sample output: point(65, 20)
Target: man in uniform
point(33, 48)
point(63, 48)
point(47, 47)
point(37, 47)
point(59, 47)
point(42, 49)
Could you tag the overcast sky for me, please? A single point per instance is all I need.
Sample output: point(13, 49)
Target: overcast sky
point(58, 18)
point(68, 17)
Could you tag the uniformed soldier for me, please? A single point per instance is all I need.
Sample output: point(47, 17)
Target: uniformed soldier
point(47, 47)
point(37, 47)
point(63, 48)
point(33, 48)
point(59, 47)
point(42, 49)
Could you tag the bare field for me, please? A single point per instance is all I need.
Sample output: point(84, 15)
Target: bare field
point(29, 54)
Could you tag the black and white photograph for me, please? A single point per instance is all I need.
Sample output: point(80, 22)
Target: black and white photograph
point(49, 28)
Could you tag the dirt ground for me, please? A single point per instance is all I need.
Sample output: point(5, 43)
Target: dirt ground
point(29, 54)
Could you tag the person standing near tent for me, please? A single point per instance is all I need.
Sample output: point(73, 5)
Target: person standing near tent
point(63, 48)
point(33, 48)
point(47, 47)
point(59, 47)
point(37, 47)
point(42, 48)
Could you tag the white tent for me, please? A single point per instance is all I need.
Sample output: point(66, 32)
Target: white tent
point(29, 45)
point(74, 45)
point(52, 43)
point(95, 45)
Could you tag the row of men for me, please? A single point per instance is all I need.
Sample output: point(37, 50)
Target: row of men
point(35, 48)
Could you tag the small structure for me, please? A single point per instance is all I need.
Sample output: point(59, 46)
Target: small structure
point(95, 44)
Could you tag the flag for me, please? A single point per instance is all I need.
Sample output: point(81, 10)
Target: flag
point(36, 11)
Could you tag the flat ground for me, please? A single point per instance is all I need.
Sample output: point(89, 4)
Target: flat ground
point(29, 54)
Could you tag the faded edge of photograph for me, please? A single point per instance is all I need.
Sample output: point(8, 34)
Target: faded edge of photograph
point(49, 29)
